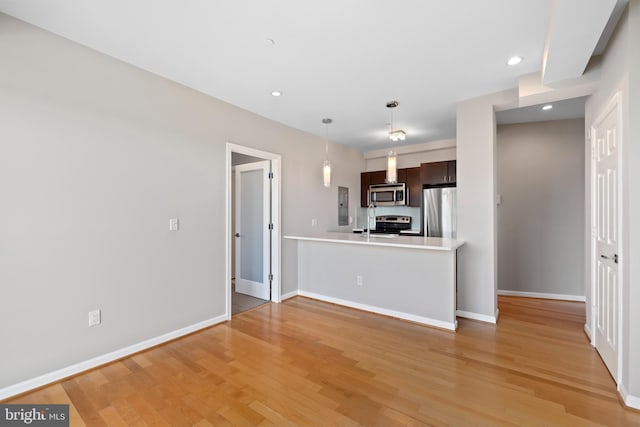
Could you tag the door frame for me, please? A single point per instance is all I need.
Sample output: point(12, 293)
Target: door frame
point(614, 103)
point(276, 191)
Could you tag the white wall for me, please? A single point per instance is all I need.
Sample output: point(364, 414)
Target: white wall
point(411, 160)
point(632, 155)
point(420, 286)
point(621, 74)
point(477, 276)
point(540, 171)
point(410, 156)
point(95, 157)
point(615, 69)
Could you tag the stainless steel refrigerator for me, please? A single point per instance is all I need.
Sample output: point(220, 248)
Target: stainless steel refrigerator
point(439, 206)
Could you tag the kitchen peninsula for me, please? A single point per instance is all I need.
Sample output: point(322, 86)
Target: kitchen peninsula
point(407, 277)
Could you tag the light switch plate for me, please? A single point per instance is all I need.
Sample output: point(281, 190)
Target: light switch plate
point(94, 318)
point(173, 224)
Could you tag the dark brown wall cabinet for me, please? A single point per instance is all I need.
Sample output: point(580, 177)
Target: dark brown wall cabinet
point(435, 173)
point(367, 179)
point(410, 176)
point(414, 186)
point(438, 173)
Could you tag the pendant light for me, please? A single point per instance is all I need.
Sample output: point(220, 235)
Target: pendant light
point(392, 158)
point(392, 167)
point(326, 165)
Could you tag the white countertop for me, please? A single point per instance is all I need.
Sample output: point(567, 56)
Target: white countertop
point(412, 242)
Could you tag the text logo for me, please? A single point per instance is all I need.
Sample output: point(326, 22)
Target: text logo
point(34, 415)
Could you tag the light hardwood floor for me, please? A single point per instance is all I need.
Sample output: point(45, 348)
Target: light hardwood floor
point(305, 362)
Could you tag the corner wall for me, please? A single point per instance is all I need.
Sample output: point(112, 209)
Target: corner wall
point(632, 334)
point(410, 156)
point(621, 73)
point(95, 157)
point(476, 182)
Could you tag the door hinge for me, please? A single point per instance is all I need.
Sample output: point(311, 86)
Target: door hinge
point(270, 276)
point(270, 175)
point(593, 153)
point(593, 232)
point(271, 226)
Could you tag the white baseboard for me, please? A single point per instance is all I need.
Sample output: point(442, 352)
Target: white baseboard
point(68, 371)
point(379, 310)
point(587, 330)
point(629, 400)
point(478, 316)
point(289, 295)
point(543, 295)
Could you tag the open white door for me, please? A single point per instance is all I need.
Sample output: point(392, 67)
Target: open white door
point(605, 291)
point(253, 242)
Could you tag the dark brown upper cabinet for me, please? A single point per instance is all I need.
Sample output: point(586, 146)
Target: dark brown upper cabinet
point(414, 186)
point(409, 176)
point(367, 179)
point(437, 173)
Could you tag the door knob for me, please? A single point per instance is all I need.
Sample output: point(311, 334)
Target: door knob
point(237, 234)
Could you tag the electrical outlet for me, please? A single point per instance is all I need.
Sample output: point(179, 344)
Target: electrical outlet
point(359, 281)
point(94, 318)
point(314, 222)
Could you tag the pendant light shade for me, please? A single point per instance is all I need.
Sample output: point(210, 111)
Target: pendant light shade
point(392, 158)
point(326, 173)
point(326, 165)
point(392, 167)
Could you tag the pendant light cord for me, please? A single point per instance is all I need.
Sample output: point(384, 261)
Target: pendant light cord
point(326, 140)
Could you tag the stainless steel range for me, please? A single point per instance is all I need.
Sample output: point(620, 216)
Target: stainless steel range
point(392, 224)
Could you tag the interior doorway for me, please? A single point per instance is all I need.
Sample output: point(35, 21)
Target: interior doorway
point(540, 203)
point(252, 228)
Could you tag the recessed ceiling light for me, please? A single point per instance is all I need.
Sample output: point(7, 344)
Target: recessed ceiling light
point(514, 60)
point(547, 107)
point(276, 93)
point(269, 41)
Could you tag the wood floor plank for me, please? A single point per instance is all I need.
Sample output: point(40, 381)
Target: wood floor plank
point(309, 363)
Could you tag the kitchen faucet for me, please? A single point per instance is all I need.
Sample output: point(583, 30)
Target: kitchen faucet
point(370, 209)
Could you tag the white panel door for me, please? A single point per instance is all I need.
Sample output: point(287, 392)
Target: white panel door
point(253, 237)
point(606, 292)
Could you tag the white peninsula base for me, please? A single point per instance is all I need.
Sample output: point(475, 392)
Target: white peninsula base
point(412, 278)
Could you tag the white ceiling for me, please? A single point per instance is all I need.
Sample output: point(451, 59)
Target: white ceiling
point(338, 59)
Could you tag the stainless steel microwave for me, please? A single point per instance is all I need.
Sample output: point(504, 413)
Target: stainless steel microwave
point(388, 194)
